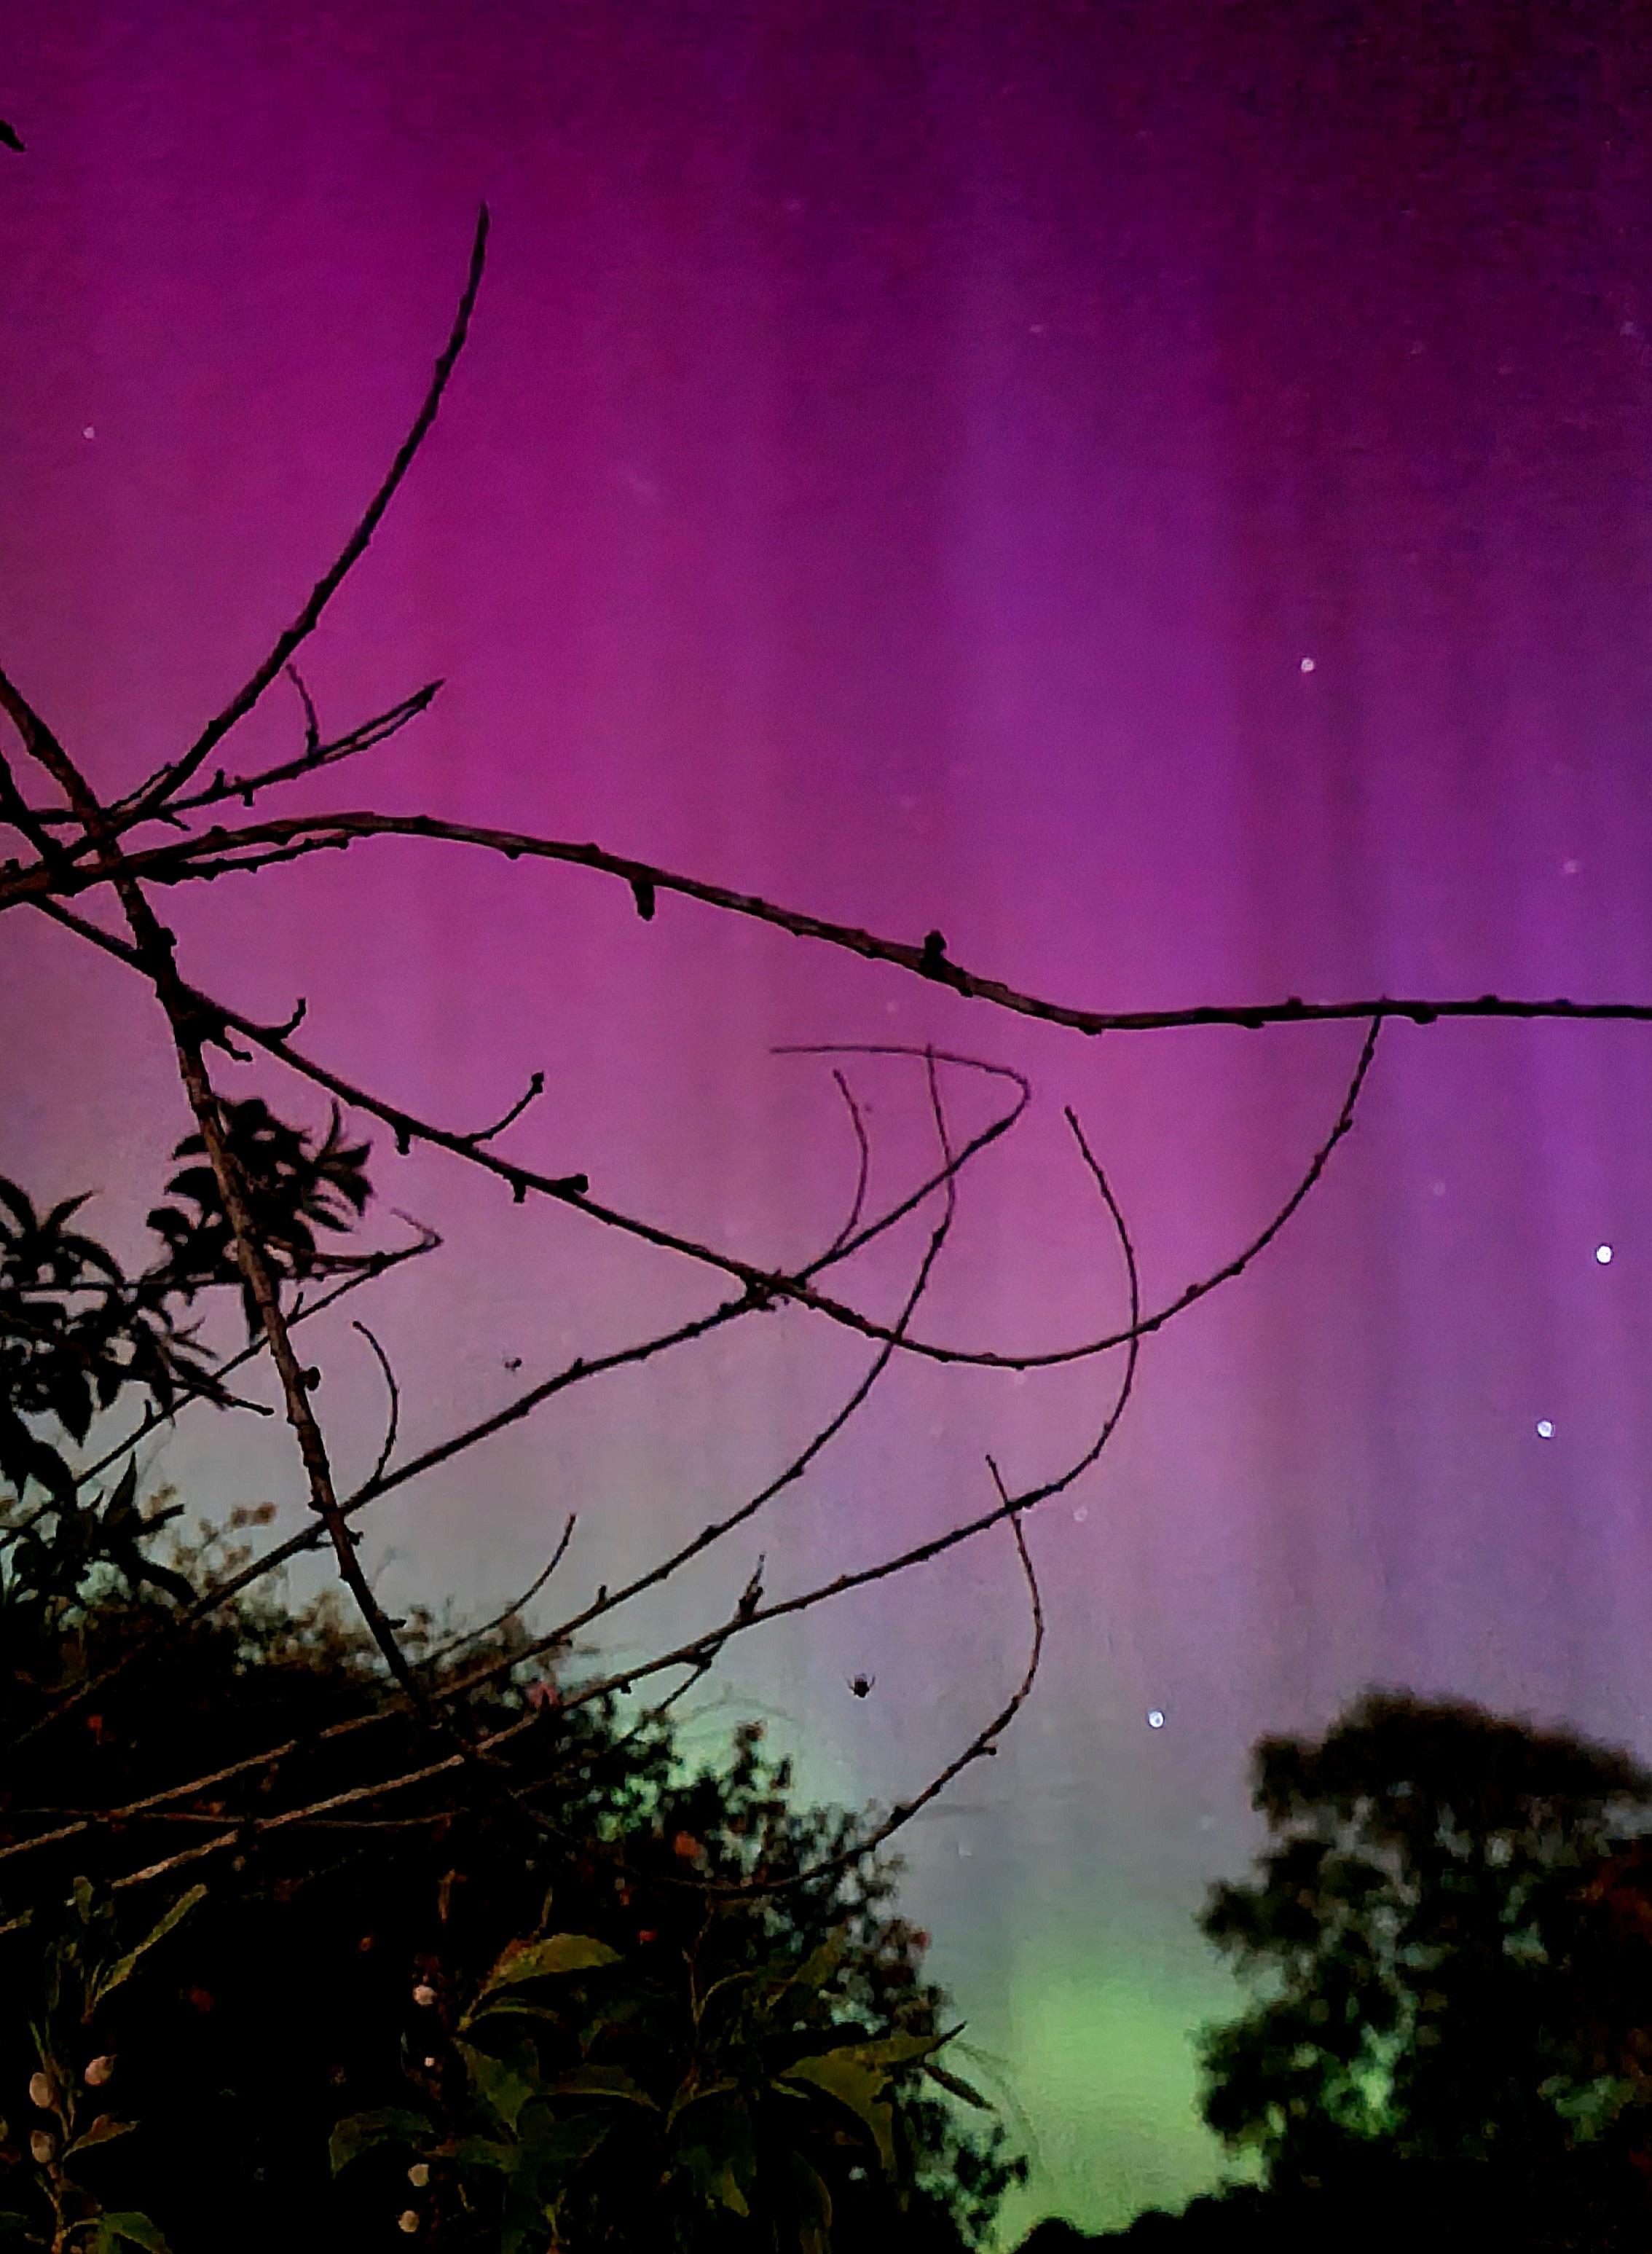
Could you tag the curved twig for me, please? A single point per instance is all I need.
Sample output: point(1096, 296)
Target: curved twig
point(377, 1264)
point(512, 1611)
point(534, 1089)
point(864, 1147)
point(982, 1745)
point(761, 1285)
point(387, 1448)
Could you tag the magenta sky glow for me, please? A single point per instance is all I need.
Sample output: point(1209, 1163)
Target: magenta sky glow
point(905, 463)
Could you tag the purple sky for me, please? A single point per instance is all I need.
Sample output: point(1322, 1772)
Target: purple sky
point(905, 462)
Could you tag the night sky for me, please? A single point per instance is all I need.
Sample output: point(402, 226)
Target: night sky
point(1157, 491)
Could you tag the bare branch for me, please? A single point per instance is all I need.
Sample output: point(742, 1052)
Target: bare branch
point(982, 1745)
point(167, 862)
point(387, 1448)
point(863, 1168)
point(166, 783)
point(376, 1263)
point(512, 1611)
point(226, 1591)
point(610, 1600)
point(710, 1643)
point(760, 1284)
point(153, 945)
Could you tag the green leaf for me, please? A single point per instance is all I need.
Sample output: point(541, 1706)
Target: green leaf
point(484, 2153)
point(819, 1965)
point(724, 2190)
point(121, 1970)
point(500, 2087)
point(540, 1960)
point(392, 2124)
point(599, 2081)
point(127, 2226)
point(857, 2084)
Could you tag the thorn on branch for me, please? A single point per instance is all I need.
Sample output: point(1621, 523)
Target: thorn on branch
point(535, 1087)
point(403, 1139)
point(642, 892)
point(933, 960)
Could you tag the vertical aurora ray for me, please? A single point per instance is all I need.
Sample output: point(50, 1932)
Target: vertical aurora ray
point(903, 464)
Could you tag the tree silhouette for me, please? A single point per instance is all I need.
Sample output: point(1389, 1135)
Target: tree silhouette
point(1448, 1932)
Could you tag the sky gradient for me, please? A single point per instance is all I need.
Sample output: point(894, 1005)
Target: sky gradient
point(1158, 492)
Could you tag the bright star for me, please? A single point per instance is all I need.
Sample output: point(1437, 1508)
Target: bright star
point(1155, 1719)
point(1546, 1430)
point(1603, 1253)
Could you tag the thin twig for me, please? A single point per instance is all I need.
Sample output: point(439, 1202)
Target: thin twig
point(863, 1148)
point(534, 1089)
point(167, 782)
point(512, 1611)
point(763, 1285)
point(393, 1420)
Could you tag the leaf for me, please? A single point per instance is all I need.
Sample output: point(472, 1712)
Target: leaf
point(599, 2081)
point(689, 2091)
point(958, 2086)
point(819, 1965)
point(500, 2087)
point(857, 2084)
point(724, 2187)
point(122, 1969)
point(102, 2131)
point(815, 2203)
point(900, 2049)
point(359, 2132)
point(541, 1960)
point(122, 1500)
point(484, 2153)
point(127, 2226)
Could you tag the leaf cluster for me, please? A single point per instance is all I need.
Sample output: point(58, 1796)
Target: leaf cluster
point(78, 1332)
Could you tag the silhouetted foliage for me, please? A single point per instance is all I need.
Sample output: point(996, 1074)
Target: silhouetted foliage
point(722, 2069)
point(1448, 1933)
point(296, 1998)
point(291, 1183)
point(76, 1330)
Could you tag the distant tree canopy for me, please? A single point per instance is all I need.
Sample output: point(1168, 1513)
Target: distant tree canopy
point(1451, 1938)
